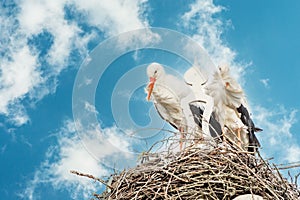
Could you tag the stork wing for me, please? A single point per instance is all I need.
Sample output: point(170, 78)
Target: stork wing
point(234, 97)
point(163, 113)
point(246, 119)
point(253, 142)
point(196, 79)
point(214, 126)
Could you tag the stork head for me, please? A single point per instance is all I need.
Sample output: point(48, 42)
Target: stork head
point(154, 71)
point(224, 73)
point(223, 69)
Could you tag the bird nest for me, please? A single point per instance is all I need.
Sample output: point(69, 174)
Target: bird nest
point(196, 173)
point(199, 172)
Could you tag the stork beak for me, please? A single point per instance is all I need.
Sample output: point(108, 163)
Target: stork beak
point(150, 87)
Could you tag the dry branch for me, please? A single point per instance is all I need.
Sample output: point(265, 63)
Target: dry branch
point(91, 177)
point(221, 172)
point(203, 170)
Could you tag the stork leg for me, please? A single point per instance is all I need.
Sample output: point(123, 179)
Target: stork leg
point(181, 130)
point(223, 134)
point(239, 137)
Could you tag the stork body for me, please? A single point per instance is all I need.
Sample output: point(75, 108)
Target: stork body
point(234, 129)
point(167, 93)
point(229, 107)
point(202, 106)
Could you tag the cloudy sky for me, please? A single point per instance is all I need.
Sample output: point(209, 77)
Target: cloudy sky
point(57, 115)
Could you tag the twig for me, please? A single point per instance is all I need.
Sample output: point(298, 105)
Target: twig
point(91, 177)
point(195, 173)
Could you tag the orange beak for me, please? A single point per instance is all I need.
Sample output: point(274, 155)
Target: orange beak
point(227, 84)
point(150, 87)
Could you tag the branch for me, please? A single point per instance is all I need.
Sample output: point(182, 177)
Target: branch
point(91, 177)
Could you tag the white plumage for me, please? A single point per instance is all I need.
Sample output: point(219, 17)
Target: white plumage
point(228, 96)
point(222, 96)
point(168, 94)
point(196, 79)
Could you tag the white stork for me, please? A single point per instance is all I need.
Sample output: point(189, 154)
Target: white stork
point(168, 93)
point(229, 101)
point(202, 106)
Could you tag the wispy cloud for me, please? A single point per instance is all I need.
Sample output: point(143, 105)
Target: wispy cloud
point(277, 138)
point(55, 170)
point(29, 68)
point(201, 20)
point(88, 154)
point(3, 149)
point(89, 107)
point(265, 82)
point(293, 153)
point(115, 16)
point(19, 71)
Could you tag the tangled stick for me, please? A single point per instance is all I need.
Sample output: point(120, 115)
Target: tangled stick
point(203, 170)
point(216, 173)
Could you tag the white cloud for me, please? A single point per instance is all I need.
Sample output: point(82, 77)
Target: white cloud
point(68, 154)
point(19, 75)
point(207, 30)
point(265, 82)
point(36, 17)
point(113, 17)
point(17, 115)
point(117, 17)
point(277, 139)
point(87, 154)
point(3, 149)
point(89, 107)
point(25, 72)
point(293, 153)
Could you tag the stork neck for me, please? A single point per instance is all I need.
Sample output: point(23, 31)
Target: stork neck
point(160, 79)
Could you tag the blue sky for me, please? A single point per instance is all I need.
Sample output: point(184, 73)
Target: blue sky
point(43, 46)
